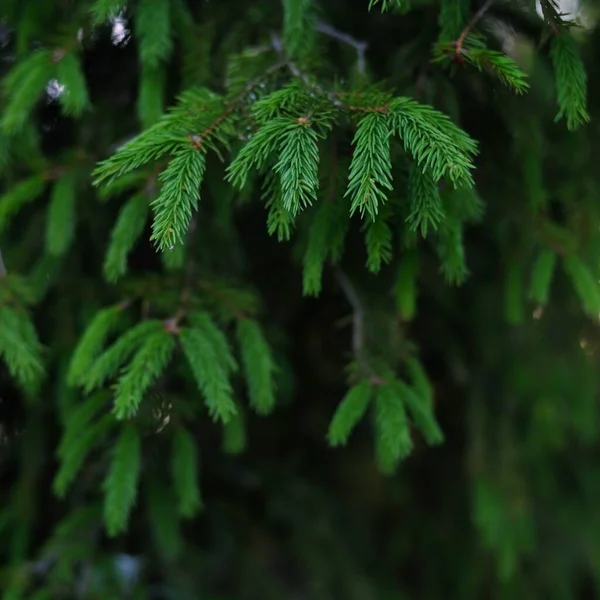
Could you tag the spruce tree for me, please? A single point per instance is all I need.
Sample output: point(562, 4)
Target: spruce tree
point(299, 299)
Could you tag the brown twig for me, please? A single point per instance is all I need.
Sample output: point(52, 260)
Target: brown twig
point(469, 27)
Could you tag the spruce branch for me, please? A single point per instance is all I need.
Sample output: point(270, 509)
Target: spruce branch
point(259, 365)
point(571, 80)
point(349, 412)
point(371, 167)
point(277, 43)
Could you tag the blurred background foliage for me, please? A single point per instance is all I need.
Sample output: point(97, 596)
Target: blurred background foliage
point(506, 507)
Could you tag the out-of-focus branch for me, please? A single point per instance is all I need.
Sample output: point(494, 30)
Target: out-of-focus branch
point(3, 271)
point(359, 46)
point(358, 326)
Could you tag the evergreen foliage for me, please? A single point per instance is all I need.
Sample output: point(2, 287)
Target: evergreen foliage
point(233, 234)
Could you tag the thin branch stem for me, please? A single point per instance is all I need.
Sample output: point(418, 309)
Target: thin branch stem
point(358, 314)
point(476, 17)
point(359, 46)
point(358, 326)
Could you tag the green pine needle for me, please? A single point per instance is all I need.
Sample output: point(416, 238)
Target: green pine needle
point(179, 196)
point(280, 221)
point(202, 321)
point(163, 521)
point(318, 247)
point(77, 451)
point(209, 373)
point(234, 435)
point(121, 483)
point(451, 250)
point(60, 224)
point(20, 348)
point(378, 239)
point(17, 196)
point(454, 15)
point(107, 365)
point(256, 152)
point(184, 468)
point(298, 27)
point(387, 5)
point(421, 411)
point(298, 167)
point(504, 67)
point(585, 284)
point(393, 440)
point(102, 10)
point(258, 364)
point(405, 287)
point(349, 412)
point(371, 167)
point(152, 26)
point(149, 146)
point(126, 232)
point(90, 343)
point(24, 85)
point(78, 418)
point(426, 208)
point(146, 367)
point(151, 93)
point(542, 272)
point(571, 80)
point(436, 144)
point(69, 72)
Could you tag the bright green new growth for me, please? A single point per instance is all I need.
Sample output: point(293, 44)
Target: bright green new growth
point(179, 196)
point(18, 196)
point(210, 371)
point(542, 272)
point(145, 368)
point(91, 343)
point(349, 412)
point(585, 284)
point(60, 224)
point(571, 80)
point(20, 348)
point(258, 364)
point(127, 230)
point(371, 168)
point(121, 484)
point(184, 467)
point(379, 241)
point(153, 29)
point(393, 440)
point(425, 202)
